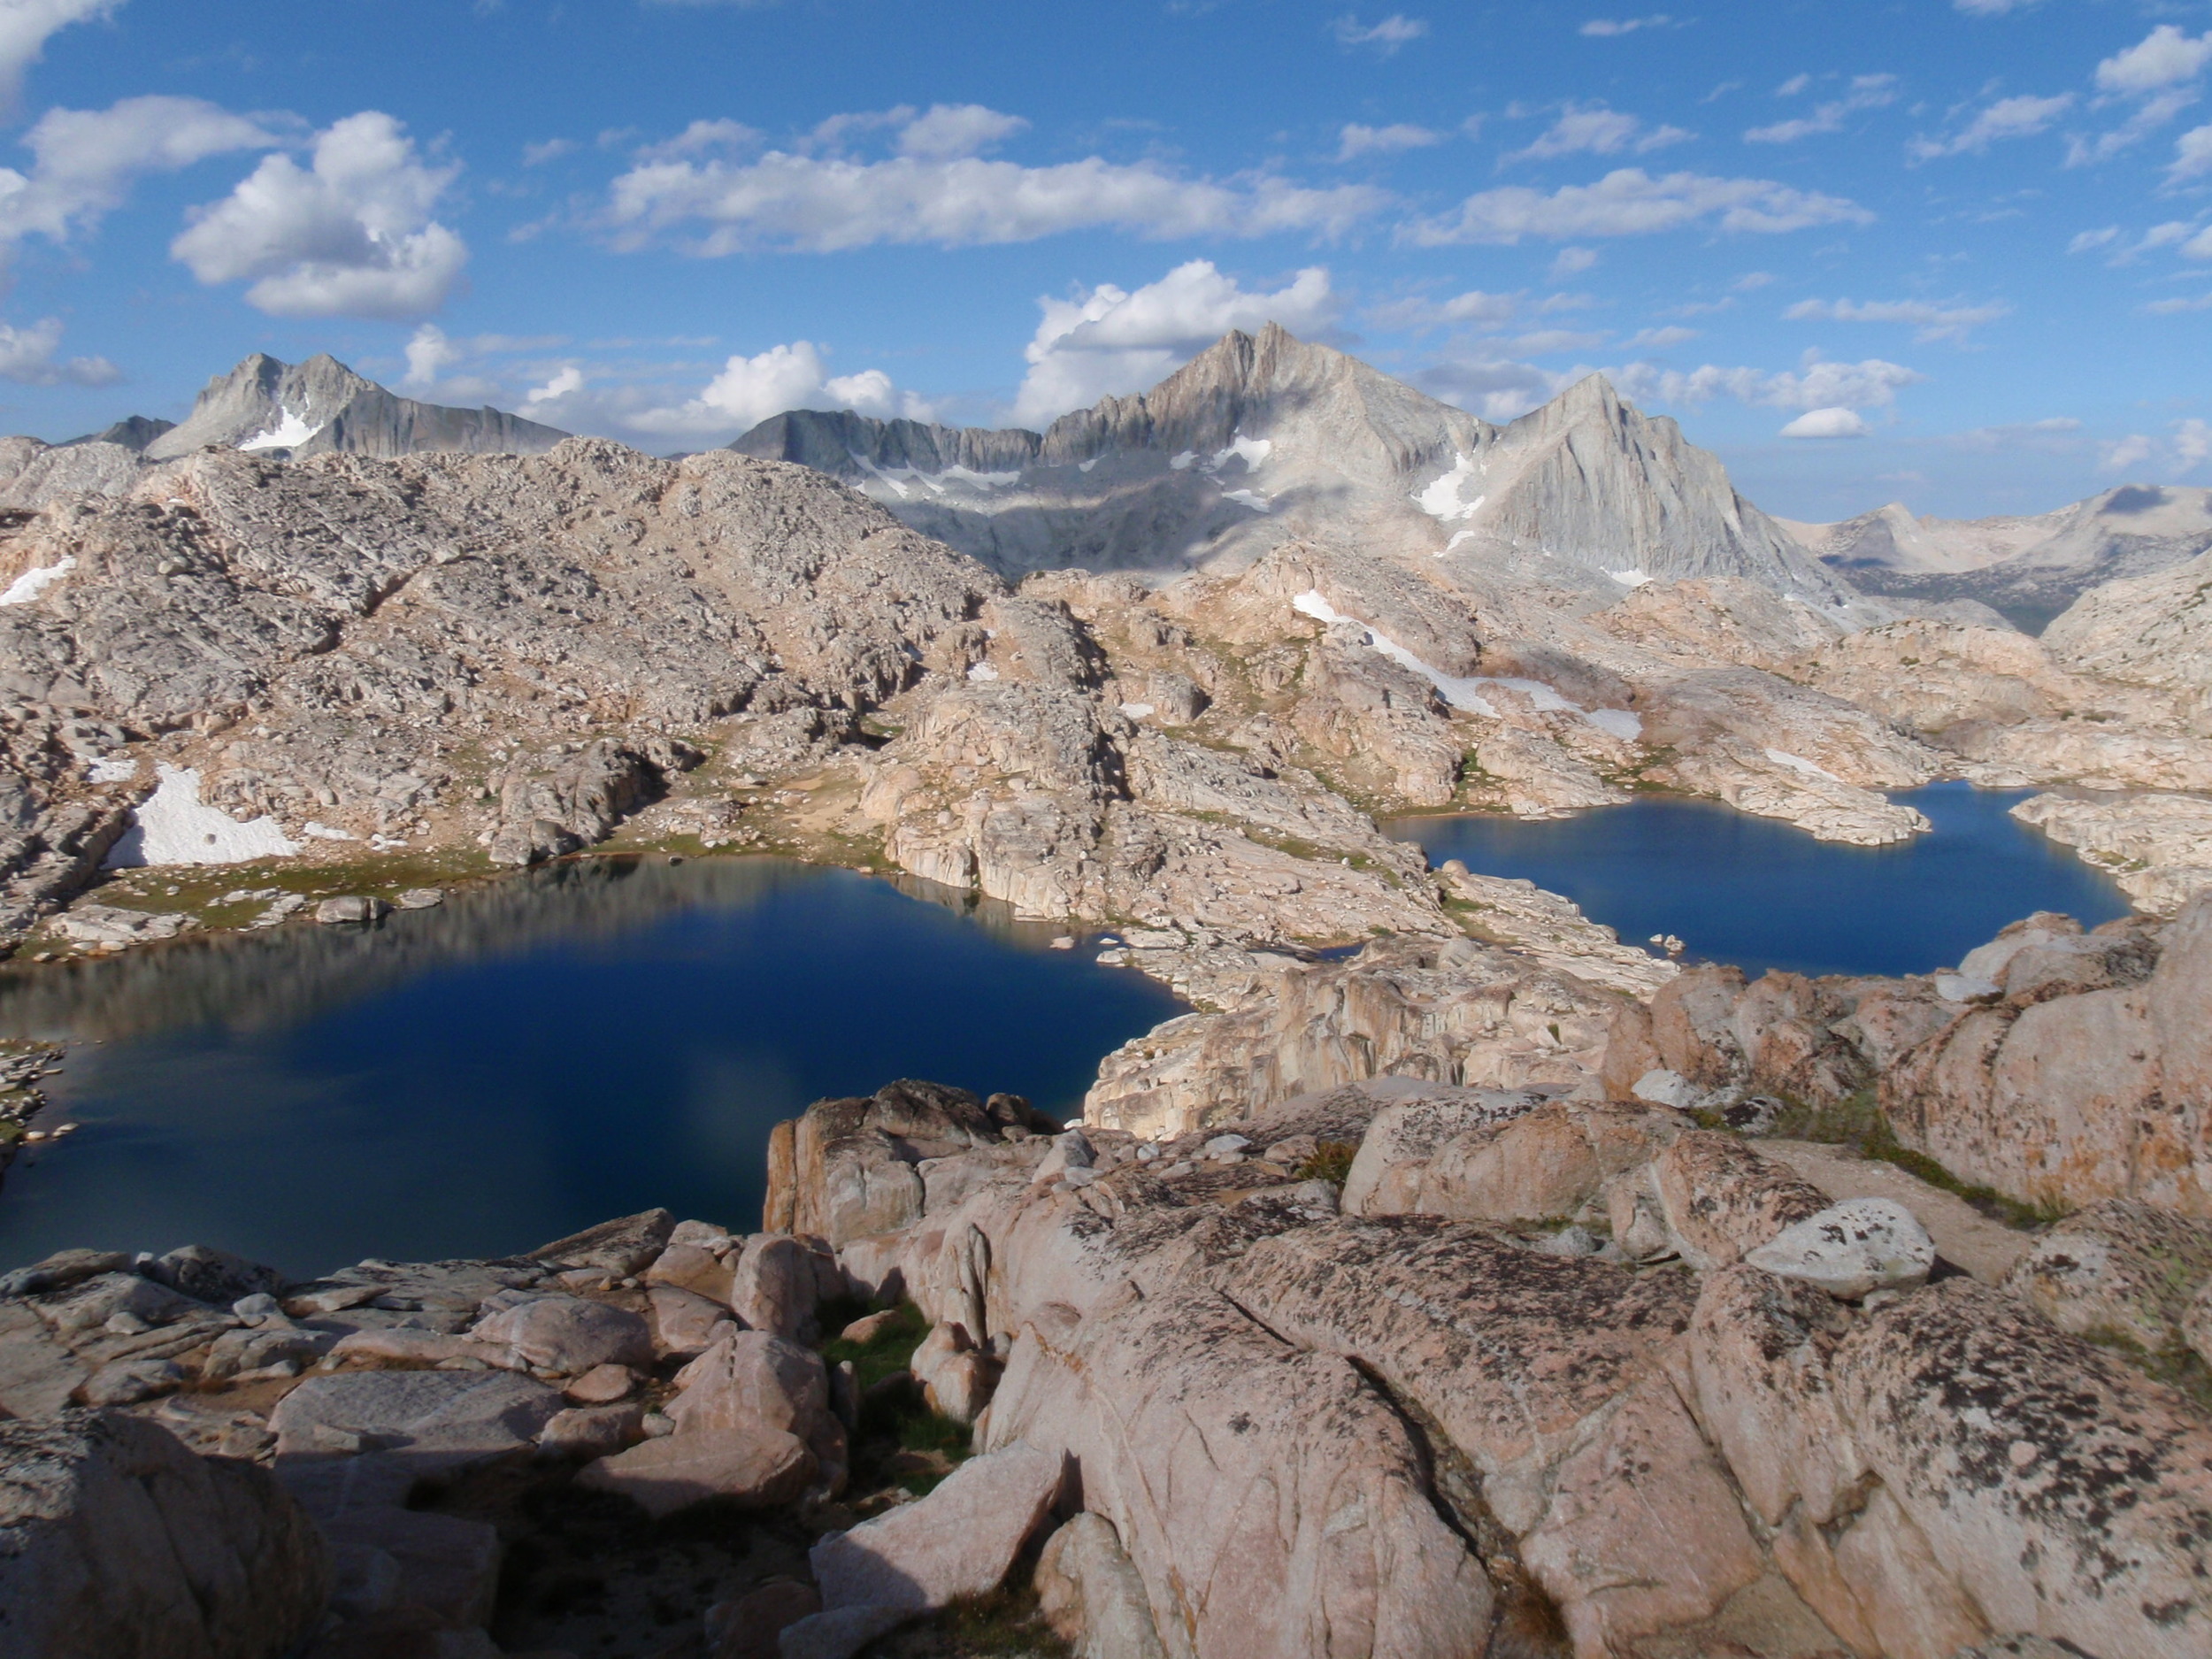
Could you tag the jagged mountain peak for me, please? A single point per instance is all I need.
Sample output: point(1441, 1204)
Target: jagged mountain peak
point(294, 411)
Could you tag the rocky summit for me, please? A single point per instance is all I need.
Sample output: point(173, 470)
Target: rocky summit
point(1454, 1279)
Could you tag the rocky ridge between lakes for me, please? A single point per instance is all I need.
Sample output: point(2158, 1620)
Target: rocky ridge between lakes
point(1588, 1366)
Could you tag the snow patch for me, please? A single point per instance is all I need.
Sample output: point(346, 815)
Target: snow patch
point(173, 826)
point(1633, 577)
point(31, 584)
point(1798, 763)
point(323, 833)
point(1252, 450)
point(1246, 498)
point(980, 480)
point(112, 769)
point(1182, 463)
point(1137, 710)
point(1085, 466)
point(1616, 722)
point(1455, 689)
point(981, 671)
point(1440, 500)
point(288, 433)
point(1457, 537)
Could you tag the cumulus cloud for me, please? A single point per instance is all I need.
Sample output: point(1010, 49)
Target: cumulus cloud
point(2192, 156)
point(1828, 423)
point(1572, 262)
point(1112, 341)
point(1604, 28)
point(748, 390)
point(1497, 388)
point(87, 159)
point(27, 357)
point(1866, 92)
point(349, 235)
point(1816, 384)
point(2023, 117)
point(26, 26)
point(1630, 202)
point(1355, 141)
point(929, 192)
point(1596, 130)
point(1385, 36)
point(1928, 320)
point(2164, 57)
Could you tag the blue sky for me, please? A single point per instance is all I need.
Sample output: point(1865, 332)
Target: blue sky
point(1954, 254)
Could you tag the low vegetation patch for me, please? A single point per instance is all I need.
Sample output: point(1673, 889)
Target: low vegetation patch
point(1331, 1161)
point(1857, 1122)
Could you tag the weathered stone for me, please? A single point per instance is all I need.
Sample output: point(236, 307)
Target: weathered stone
point(686, 1324)
point(751, 1378)
point(126, 1381)
point(1089, 1592)
point(62, 1271)
point(428, 1422)
point(957, 1377)
point(1849, 1250)
point(1722, 1200)
point(1407, 1134)
point(629, 1244)
point(958, 1542)
point(602, 1384)
point(588, 1431)
point(2120, 1268)
point(120, 1542)
point(748, 1627)
point(568, 1334)
point(694, 1268)
point(753, 1466)
point(38, 1375)
point(351, 907)
point(774, 1286)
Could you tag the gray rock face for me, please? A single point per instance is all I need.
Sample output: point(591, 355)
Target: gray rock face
point(120, 1544)
point(320, 406)
point(1265, 439)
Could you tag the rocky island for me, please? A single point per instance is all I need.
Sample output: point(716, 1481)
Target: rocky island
point(1455, 1278)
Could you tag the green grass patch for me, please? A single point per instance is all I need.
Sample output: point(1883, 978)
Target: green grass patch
point(1331, 1161)
point(890, 1350)
point(2177, 1367)
point(1005, 1622)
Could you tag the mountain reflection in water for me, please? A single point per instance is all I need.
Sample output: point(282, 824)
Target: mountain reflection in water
point(535, 1055)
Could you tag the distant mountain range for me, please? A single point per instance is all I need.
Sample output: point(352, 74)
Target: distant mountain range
point(1266, 439)
point(1259, 441)
point(2031, 568)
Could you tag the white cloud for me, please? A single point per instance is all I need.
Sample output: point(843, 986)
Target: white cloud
point(1594, 129)
point(1827, 423)
point(1630, 202)
point(551, 150)
point(1817, 383)
point(2164, 57)
point(2023, 117)
point(544, 399)
point(1355, 141)
point(949, 131)
point(1385, 36)
point(2058, 434)
point(26, 356)
point(1604, 28)
point(86, 159)
point(2193, 444)
point(786, 199)
point(349, 235)
point(2174, 307)
point(1495, 388)
point(1794, 85)
point(1484, 313)
point(748, 390)
point(1572, 262)
point(1660, 339)
point(2192, 154)
point(1929, 321)
point(1991, 8)
point(2123, 453)
point(429, 353)
point(1109, 340)
point(1866, 92)
point(24, 27)
point(2084, 241)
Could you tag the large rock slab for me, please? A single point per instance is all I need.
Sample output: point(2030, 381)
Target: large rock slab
point(751, 1380)
point(2120, 1268)
point(753, 1466)
point(1722, 1200)
point(1852, 1248)
point(117, 1543)
point(1273, 1501)
point(569, 1334)
point(428, 1422)
point(1088, 1591)
point(957, 1542)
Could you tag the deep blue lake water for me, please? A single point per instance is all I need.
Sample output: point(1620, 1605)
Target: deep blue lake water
point(535, 1055)
point(1765, 894)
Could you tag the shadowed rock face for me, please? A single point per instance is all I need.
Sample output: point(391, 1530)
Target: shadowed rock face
point(1261, 439)
point(321, 407)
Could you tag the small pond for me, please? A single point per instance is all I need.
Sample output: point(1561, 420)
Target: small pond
point(534, 1055)
point(1764, 895)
